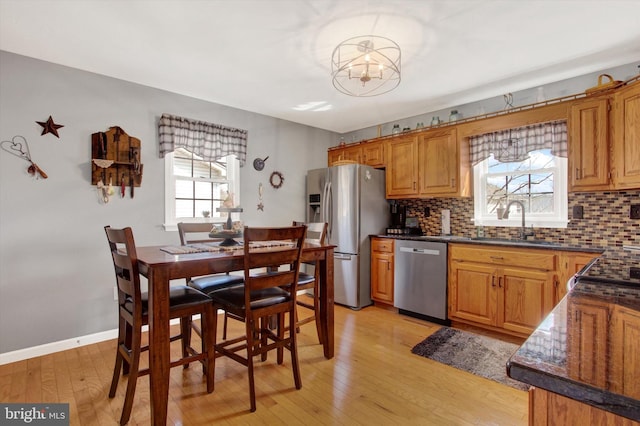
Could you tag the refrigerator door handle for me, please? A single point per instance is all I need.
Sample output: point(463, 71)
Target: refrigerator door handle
point(328, 209)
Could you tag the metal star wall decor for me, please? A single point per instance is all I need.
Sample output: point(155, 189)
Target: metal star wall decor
point(49, 127)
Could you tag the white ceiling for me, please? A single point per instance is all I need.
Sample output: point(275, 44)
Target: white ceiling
point(274, 57)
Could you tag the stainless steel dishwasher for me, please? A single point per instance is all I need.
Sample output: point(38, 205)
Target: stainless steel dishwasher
point(420, 280)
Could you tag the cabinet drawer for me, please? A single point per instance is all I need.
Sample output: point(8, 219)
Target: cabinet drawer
point(382, 244)
point(534, 259)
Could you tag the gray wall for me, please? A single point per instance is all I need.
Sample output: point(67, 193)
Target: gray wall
point(56, 276)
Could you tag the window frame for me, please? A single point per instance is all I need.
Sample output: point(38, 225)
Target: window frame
point(170, 220)
point(558, 219)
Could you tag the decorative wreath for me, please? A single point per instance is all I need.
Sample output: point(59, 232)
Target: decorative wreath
point(276, 179)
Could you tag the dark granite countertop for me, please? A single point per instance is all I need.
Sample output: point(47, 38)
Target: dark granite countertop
point(537, 244)
point(579, 349)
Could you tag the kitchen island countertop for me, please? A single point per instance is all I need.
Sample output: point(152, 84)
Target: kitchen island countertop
point(587, 348)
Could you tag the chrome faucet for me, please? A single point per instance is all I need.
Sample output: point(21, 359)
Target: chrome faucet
point(523, 232)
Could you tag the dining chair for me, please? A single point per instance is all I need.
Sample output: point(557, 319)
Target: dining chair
point(184, 302)
point(264, 294)
point(316, 234)
point(193, 233)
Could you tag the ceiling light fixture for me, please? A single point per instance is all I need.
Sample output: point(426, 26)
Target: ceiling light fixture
point(366, 66)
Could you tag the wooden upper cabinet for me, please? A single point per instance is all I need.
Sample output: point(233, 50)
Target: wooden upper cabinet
point(351, 153)
point(604, 153)
point(589, 145)
point(626, 137)
point(373, 154)
point(438, 159)
point(401, 155)
point(369, 153)
point(429, 164)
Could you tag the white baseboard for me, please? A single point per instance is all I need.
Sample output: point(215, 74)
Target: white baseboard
point(63, 345)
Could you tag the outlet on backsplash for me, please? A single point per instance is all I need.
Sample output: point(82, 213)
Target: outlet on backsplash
point(446, 222)
point(578, 212)
point(634, 211)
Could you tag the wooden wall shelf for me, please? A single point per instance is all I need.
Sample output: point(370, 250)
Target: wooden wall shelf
point(123, 151)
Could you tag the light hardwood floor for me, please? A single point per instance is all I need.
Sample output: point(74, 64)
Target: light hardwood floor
point(374, 379)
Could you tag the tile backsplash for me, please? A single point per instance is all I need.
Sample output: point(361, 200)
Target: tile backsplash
point(605, 221)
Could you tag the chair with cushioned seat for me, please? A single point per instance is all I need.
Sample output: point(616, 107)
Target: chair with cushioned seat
point(193, 233)
point(184, 302)
point(264, 294)
point(316, 234)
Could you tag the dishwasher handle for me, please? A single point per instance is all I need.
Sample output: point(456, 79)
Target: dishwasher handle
point(420, 251)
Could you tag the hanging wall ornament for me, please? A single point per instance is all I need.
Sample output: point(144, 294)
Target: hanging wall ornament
point(260, 190)
point(49, 127)
point(276, 179)
point(19, 147)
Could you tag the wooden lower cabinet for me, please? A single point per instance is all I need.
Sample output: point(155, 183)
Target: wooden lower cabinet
point(526, 297)
point(472, 294)
point(570, 263)
point(587, 341)
point(551, 409)
point(509, 290)
point(624, 367)
point(382, 260)
point(603, 343)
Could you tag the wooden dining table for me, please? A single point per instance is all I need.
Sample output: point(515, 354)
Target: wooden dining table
point(160, 267)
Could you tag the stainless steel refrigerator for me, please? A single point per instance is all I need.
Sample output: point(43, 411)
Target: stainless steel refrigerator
point(351, 199)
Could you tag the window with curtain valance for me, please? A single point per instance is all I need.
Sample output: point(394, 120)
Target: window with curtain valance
point(514, 145)
point(207, 140)
point(526, 164)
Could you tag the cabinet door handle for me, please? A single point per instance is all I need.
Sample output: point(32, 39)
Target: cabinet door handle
point(493, 281)
point(453, 182)
point(414, 185)
point(497, 257)
point(500, 282)
point(578, 174)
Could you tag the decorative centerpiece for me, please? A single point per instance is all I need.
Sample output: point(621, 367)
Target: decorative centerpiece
point(231, 229)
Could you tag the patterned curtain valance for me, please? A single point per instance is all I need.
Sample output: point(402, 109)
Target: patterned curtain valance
point(210, 141)
point(515, 144)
